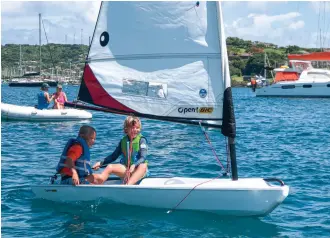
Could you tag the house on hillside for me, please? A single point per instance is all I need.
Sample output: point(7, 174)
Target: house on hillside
point(245, 55)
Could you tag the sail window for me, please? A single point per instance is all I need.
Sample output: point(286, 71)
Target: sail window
point(307, 86)
point(288, 86)
point(157, 90)
point(142, 88)
point(328, 85)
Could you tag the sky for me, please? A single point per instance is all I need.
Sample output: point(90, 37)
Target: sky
point(306, 24)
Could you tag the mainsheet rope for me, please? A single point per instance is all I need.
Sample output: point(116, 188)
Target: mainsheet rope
point(129, 154)
point(216, 156)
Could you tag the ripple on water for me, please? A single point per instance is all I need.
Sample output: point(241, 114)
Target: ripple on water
point(276, 137)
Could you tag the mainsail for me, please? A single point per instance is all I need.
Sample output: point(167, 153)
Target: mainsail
point(161, 60)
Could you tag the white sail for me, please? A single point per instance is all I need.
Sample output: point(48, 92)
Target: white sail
point(167, 59)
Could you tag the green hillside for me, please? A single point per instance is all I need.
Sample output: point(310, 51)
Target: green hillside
point(245, 57)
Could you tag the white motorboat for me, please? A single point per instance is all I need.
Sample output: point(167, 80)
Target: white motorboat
point(300, 79)
point(180, 49)
point(24, 113)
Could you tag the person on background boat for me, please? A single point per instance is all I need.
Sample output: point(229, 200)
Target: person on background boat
point(74, 164)
point(43, 97)
point(131, 168)
point(253, 84)
point(59, 98)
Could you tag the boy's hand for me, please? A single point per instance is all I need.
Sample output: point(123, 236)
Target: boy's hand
point(97, 165)
point(75, 177)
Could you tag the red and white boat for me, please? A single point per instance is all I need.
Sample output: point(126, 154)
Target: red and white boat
point(300, 79)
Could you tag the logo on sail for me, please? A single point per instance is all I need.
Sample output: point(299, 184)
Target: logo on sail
point(202, 93)
point(202, 110)
point(208, 110)
point(104, 38)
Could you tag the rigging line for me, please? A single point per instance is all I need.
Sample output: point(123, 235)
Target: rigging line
point(155, 56)
point(171, 210)
point(191, 121)
point(51, 58)
point(327, 28)
point(215, 154)
point(318, 26)
point(89, 48)
point(324, 16)
point(291, 32)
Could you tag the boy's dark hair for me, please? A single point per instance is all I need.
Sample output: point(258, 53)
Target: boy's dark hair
point(86, 131)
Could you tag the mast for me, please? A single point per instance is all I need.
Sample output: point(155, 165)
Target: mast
point(232, 154)
point(228, 124)
point(265, 65)
point(20, 60)
point(40, 43)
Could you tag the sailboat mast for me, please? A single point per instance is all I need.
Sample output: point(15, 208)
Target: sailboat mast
point(265, 65)
point(40, 43)
point(20, 60)
point(228, 124)
point(232, 153)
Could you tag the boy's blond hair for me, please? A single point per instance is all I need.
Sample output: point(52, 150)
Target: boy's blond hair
point(132, 121)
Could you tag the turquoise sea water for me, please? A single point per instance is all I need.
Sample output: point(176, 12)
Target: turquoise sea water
point(276, 137)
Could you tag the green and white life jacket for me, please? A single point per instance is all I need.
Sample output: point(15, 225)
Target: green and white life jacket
point(135, 149)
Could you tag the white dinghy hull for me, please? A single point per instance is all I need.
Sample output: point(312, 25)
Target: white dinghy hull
point(23, 113)
point(244, 197)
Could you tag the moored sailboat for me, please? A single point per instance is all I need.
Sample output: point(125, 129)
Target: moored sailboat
point(167, 61)
point(33, 79)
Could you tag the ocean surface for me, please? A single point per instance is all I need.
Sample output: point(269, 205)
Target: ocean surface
point(276, 137)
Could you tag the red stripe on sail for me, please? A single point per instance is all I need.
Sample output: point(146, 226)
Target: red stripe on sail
point(99, 95)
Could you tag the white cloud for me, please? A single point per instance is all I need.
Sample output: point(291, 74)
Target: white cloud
point(93, 11)
point(264, 22)
point(260, 20)
point(264, 27)
point(297, 25)
point(20, 21)
point(257, 5)
point(229, 3)
point(11, 7)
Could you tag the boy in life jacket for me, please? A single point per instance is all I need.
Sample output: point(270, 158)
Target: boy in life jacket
point(133, 148)
point(74, 164)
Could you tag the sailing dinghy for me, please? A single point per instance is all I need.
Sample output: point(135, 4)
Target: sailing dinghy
point(24, 113)
point(167, 61)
